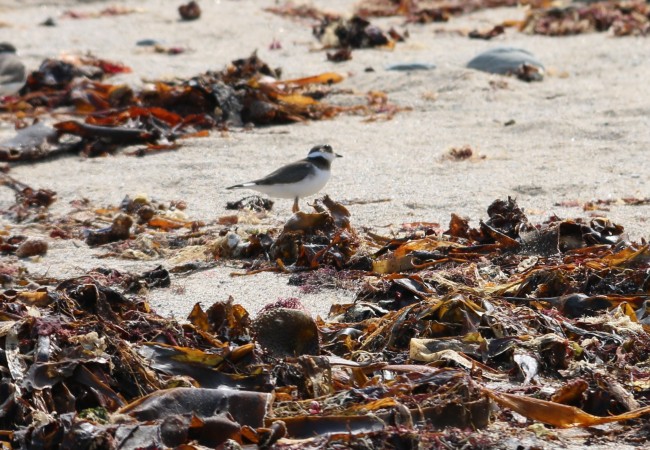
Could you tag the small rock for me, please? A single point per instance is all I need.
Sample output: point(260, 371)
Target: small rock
point(285, 332)
point(145, 214)
point(410, 66)
point(31, 247)
point(49, 22)
point(118, 231)
point(190, 11)
point(148, 42)
point(343, 54)
point(509, 61)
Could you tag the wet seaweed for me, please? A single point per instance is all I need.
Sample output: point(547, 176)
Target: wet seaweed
point(548, 320)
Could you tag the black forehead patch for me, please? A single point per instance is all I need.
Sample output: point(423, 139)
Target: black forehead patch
point(322, 148)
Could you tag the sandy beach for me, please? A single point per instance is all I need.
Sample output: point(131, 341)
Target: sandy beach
point(581, 135)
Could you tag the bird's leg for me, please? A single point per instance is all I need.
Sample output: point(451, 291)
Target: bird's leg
point(296, 208)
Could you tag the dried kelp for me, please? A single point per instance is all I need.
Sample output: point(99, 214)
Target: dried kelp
point(302, 11)
point(23, 247)
point(355, 32)
point(426, 11)
point(246, 92)
point(31, 142)
point(308, 240)
point(344, 34)
point(119, 230)
point(548, 320)
point(29, 201)
point(252, 202)
point(604, 204)
point(487, 34)
point(342, 54)
point(468, 290)
point(88, 357)
point(619, 18)
point(109, 11)
point(462, 154)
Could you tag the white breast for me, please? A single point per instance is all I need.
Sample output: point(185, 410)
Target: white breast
point(309, 186)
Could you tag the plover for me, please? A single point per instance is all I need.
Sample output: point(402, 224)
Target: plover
point(12, 70)
point(298, 179)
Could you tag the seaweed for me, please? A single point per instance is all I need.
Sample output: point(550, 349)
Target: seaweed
point(547, 320)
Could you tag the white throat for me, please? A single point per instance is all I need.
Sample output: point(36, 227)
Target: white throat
point(318, 154)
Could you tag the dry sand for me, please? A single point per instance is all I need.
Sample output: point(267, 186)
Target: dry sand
point(581, 134)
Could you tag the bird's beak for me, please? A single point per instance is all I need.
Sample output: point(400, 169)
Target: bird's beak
point(338, 156)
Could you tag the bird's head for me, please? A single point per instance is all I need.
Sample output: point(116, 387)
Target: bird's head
point(323, 151)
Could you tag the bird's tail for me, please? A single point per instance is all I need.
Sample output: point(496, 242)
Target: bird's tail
point(240, 186)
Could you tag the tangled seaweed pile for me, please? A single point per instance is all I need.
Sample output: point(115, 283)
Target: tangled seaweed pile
point(550, 321)
point(247, 92)
point(620, 18)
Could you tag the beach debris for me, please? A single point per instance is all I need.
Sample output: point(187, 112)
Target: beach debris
point(49, 22)
point(542, 17)
point(381, 108)
point(253, 203)
point(487, 35)
point(309, 240)
point(275, 45)
point(301, 11)
point(535, 326)
point(31, 247)
point(29, 201)
point(106, 67)
point(30, 142)
point(462, 153)
point(619, 18)
point(509, 61)
point(63, 82)
point(170, 50)
point(148, 42)
point(22, 246)
point(119, 230)
point(449, 329)
point(190, 11)
point(286, 332)
point(426, 11)
point(115, 10)
point(410, 66)
point(157, 116)
point(604, 204)
point(161, 47)
point(340, 55)
point(355, 32)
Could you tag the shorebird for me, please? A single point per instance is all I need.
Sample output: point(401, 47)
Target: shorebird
point(12, 70)
point(298, 179)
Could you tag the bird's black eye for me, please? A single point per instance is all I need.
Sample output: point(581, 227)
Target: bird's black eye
point(327, 148)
